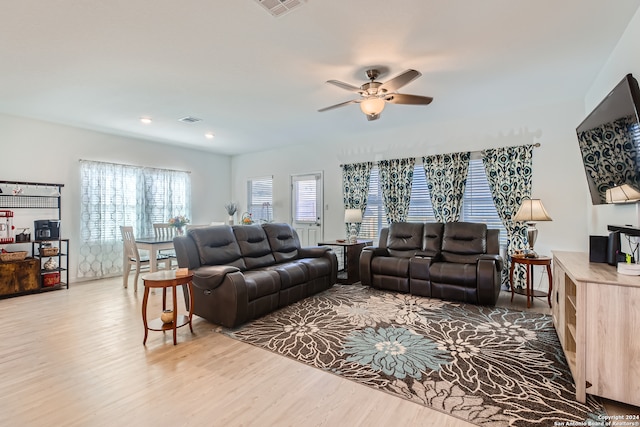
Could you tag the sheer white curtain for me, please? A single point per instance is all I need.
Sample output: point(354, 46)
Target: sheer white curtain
point(113, 195)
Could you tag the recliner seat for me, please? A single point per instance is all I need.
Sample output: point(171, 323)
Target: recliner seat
point(457, 261)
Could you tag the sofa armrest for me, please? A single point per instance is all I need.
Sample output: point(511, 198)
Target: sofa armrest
point(211, 276)
point(376, 251)
point(366, 256)
point(313, 251)
point(489, 278)
point(186, 252)
point(493, 257)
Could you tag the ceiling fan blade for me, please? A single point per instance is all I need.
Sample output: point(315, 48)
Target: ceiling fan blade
point(400, 80)
point(342, 104)
point(346, 86)
point(399, 98)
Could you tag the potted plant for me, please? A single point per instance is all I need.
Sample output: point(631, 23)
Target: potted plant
point(231, 208)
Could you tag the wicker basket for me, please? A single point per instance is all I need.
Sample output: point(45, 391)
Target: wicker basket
point(49, 251)
point(13, 256)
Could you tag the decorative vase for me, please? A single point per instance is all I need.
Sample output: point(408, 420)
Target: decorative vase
point(179, 231)
point(167, 316)
point(230, 219)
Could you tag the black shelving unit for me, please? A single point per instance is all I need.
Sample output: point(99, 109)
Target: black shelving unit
point(45, 196)
point(61, 274)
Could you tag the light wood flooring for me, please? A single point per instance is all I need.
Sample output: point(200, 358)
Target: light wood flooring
point(75, 358)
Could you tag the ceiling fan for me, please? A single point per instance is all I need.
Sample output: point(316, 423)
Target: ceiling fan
point(374, 95)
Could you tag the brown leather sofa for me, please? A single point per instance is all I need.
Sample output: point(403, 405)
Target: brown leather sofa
point(457, 261)
point(245, 271)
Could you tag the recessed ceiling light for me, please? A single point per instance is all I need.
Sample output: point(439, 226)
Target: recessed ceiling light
point(146, 120)
point(209, 135)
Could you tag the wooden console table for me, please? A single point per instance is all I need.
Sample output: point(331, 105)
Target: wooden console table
point(595, 313)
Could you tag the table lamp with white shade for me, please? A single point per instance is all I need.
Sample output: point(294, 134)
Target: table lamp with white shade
point(622, 194)
point(353, 217)
point(532, 211)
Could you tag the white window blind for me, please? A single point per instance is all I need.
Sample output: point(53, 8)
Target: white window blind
point(420, 207)
point(260, 198)
point(306, 200)
point(477, 202)
point(374, 217)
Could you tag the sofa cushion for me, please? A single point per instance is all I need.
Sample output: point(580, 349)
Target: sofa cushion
point(317, 267)
point(217, 245)
point(283, 240)
point(404, 239)
point(291, 273)
point(254, 246)
point(432, 238)
point(453, 274)
point(462, 242)
point(261, 282)
point(390, 266)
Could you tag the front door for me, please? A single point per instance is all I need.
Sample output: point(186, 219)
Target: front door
point(306, 206)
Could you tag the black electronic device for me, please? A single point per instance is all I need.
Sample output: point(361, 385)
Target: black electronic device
point(46, 229)
point(598, 248)
point(609, 140)
point(613, 248)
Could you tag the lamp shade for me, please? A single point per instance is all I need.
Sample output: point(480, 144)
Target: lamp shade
point(372, 106)
point(352, 216)
point(622, 194)
point(532, 210)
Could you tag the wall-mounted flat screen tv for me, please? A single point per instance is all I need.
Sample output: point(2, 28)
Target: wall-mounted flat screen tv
point(609, 140)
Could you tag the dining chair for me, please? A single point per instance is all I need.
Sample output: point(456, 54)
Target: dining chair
point(164, 230)
point(133, 258)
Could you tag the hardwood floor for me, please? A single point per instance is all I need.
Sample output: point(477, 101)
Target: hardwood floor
point(75, 358)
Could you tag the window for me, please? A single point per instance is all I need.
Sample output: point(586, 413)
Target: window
point(113, 195)
point(260, 198)
point(305, 195)
point(477, 202)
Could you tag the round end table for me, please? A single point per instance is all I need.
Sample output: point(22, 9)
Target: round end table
point(166, 279)
point(529, 263)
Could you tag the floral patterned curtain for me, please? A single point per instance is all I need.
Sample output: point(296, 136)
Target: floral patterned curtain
point(509, 171)
point(396, 177)
point(446, 178)
point(355, 187)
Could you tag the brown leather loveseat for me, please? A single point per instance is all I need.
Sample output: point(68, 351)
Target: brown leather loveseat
point(457, 261)
point(245, 271)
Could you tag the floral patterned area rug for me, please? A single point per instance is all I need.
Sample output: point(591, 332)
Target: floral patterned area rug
point(490, 366)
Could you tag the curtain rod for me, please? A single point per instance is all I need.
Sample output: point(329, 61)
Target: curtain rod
point(537, 144)
point(127, 164)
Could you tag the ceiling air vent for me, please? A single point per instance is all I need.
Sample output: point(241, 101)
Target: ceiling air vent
point(279, 7)
point(189, 119)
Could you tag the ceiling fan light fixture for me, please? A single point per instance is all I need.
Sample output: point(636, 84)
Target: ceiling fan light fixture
point(372, 107)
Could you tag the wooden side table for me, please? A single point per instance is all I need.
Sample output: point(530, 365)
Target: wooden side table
point(351, 257)
point(529, 263)
point(166, 279)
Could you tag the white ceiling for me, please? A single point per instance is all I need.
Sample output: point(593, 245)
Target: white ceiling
point(257, 81)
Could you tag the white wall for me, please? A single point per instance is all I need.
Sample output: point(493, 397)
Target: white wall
point(36, 151)
point(558, 176)
point(623, 60)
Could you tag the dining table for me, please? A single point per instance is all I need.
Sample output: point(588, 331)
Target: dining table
point(154, 245)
